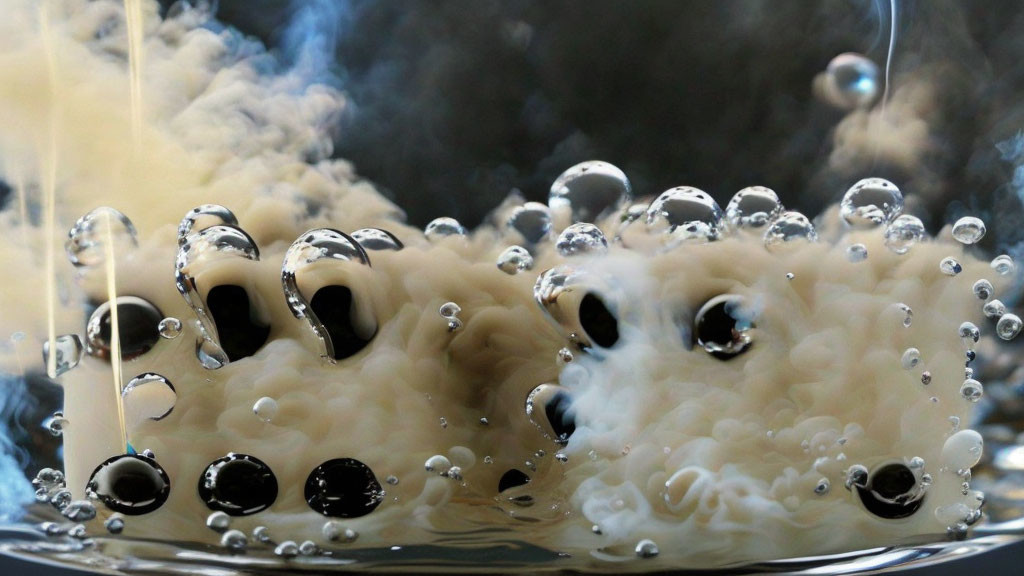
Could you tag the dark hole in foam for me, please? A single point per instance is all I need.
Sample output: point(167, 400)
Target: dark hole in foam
point(343, 488)
point(333, 307)
point(598, 322)
point(561, 416)
point(892, 492)
point(238, 329)
point(511, 479)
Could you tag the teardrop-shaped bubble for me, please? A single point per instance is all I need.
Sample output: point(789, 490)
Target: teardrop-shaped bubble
point(311, 247)
point(443, 227)
point(377, 239)
point(790, 226)
point(581, 238)
point(753, 207)
point(949, 266)
point(148, 397)
point(903, 232)
point(87, 239)
point(213, 243)
point(137, 323)
point(1003, 265)
point(851, 81)
point(532, 220)
point(130, 484)
point(685, 214)
point(69, 352)
point(968, 230)
point(871, 202)
point(202, 217)
point(1008, 326)
point(589, 190)
point(514, 260)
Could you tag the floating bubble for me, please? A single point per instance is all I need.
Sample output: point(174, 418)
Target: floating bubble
point(982, 289)
point(949, 266)
point(908, 315)
point(377, 239)
point(69, 352)
point(962, 450)
point(722, 326)
point(443, 227)
point(514, 260)
point(1003, 265)
point(851, 81)
point(87, 239)
point(218, 521)
point(261, 534)
point(903, 232)
point(549, 407)
point(309, 548)
point(969, 334)
point(169, 328)
point(971, 390)
point(685, 214)
point(234, 540)
point(926, 378)
point(237, 485)
point(823, 487)
point(588, 190)
point(968, 230)
point(857, 253)
point(287, 549)
point(789, 227)
point(130, 484)
point(437, 463)
point(1008, 326)
point(79, 511)
point(532, 220)
point(203, 217)
point(646, 549)
point(994, 309)
point(265, 409)
point(114, 524)
point(581, 238)
point(148, 396)
point(449, 310)
point(753, 207)
point(911, 358)
point(137, 322)
point(871, 202)
point(56, 423)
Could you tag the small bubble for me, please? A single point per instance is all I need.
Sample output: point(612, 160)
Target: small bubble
point(968, 230)
point(822, 487)
point(488, 460)
point(444, 422)
point(234, 540)
point(911, 357)
point(926, 378)
point(78, 532)
point(1009, 326)
point(561, 457)
point(437, 463)
point(646, 549)
point(954, 421)
point(484, 421)
point(56, 423)
point(871, 202)
point(581, 238)
point(440, 228)
point(265, 409)
point(908, 315)
point(454, 324)
point(969, 334)
point(79, 511)
point(454, 472)
point(1003, 265)
point(857, 253)
point(856, 476)
point(790, 275)
point(903, 233)
point(753, 207)
point(532, 220)
point(789, 227)
point(309, 548)
point(449, 310)
point(971, 390)
point(169, 328)
point(514, 260)
point(851, 81)
point(86, 243)
point(565, 355)
point(287, 549)
point(982, 289)
point(218, 521)
point(261, 534)
point(114, 524)
point(392, 480)
point(69, 352)
point(949, 266)
point(994, 309)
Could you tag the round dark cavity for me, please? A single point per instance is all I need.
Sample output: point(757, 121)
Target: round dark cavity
point(720, 331)
point(511, 479)
point(238, 485)
point(333, 306)
point(240, 331)
point(892, 492)
point(598, 322)
point(343, 488)
point(137, 322)
point(130, 484)
point(561, 416)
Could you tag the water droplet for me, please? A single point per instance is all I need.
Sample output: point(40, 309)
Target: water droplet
point(440, 228)
point(343, 250)
point(581, 238)
point(532, 220)
point(949, 266)
point(203, 217)
point(514, 260)
point(1003, 265)
point(856, 476)
point(969, 334)
point(265, 409)
point(753, 207)
point(685, 215)
point(377, 239)
point(238, 485)
point(343, 488)
point(789, 227)
point(287, 549)
point(137, 322)
point(130, 484)
point(903, 232)
point(234, 540)
point(148, 396)
point(588, 190)
point(114, 524)
point(87, 239)
point(437, 463)
point(56, 423)
point(646, 549)
point(911, 357)
point(822, 487)
point(1008, 326)
point(982, 289)
point(857, 253)
point(968, 230)
point(971, 390)
point(79, 511)
point(851, 81)
point(69, 352)
point(926, 378)
point(871, 202)
point(218, 521)
point(994, 309)
point(169, 328)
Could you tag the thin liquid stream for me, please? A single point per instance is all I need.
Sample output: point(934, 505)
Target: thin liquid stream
point(115, 332)
point(888, 59)
point(133, 22)
point(49, 184)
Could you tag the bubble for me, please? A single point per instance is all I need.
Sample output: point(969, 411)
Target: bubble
point(129, 484)
point(392, 480)
point(911, 358)
point(971, 390)
point(581, 238)
point(892, 492)
point(377, 239)
point(69, 352)
point(857, 253)
point(871, 202)
point(61, 499)
point(79, 511)
point(908, 315)
point(646, 549)
point(856, 476)
point(903, 232)
point(514, 260)
point(685, 215)
point(218, 521)
point(852, 81)
point(561, 457)
point(87, 239)
point(309, 548)
point(338, 336)
point(549, 408)
point(56, 423)
point(343, 488)
point(926, 378)
point(443, 227)
point(437, 463)
point(822, 487)
point(449, 310)
point(169, 328)
point(234, 540)
point(589, 190)
point(287, 549)
point(261, 534)
point(565, 355)
point(238, 485)
point(753, 207)
point(455, 473)
point(994, 309)
point(203, 217)
point(334, 532)
point(968, 230)
point(114, 524)
point(1008, 326)
point(722, 326)
point(789, 227)
point(949, 266)
point(265, 409)
point(1003, 265)
point(567, 296)
point(137, 322)
point(532, 220)
point(148, 396)
point(962, 450)
point(969, 334)
point(982, 289)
